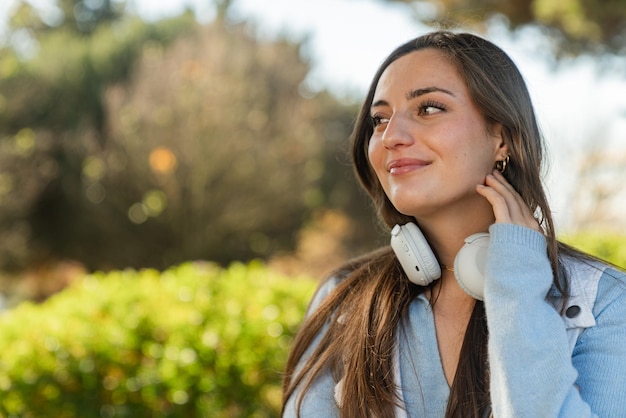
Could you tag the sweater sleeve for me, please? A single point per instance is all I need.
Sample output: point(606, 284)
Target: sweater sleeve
point(531, 367)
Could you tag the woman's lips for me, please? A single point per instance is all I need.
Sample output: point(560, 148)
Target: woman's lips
point(405, 165)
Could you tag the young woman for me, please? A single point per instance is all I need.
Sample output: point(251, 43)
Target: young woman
point(447, 139)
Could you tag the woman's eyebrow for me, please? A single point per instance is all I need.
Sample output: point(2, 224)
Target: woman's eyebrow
point(420, 92)
point(416, 93)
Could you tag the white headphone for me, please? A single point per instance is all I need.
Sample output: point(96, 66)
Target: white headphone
point(422, 267)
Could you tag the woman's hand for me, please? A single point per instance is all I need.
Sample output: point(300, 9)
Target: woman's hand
point(508, 205)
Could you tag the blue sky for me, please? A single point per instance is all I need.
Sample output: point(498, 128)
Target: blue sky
point(347, 39)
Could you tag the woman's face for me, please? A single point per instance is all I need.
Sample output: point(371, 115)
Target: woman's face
point(430, 146)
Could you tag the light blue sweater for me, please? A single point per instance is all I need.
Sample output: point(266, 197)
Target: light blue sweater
point(537, 367)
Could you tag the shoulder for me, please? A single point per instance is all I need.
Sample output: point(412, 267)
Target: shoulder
point(597, 296)
point(356, 268)
point(325, 288)
point(594, 283)
point(345, 278)
point(611, 289)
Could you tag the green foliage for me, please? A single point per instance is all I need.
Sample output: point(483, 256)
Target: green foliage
point(194, 341)
point(606, 245)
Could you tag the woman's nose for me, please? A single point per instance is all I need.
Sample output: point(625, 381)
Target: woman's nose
point(397, 133)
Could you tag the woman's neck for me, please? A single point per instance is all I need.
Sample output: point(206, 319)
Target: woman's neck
point(447, 238)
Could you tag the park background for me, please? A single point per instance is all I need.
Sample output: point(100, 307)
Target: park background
point(174, 180)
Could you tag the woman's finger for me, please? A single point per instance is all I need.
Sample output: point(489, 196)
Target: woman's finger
point(507, 204)
point(501, 188)
point(497, 201)
point(504, 182)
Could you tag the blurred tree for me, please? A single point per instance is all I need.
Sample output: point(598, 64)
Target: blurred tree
point(227, 152)
point(119, 150)
point(51, 118)
point(577, 26)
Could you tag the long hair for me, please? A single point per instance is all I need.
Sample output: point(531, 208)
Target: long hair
point(374, 293)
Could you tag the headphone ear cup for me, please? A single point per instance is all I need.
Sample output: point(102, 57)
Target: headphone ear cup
point(415, 255)
point(469, 265)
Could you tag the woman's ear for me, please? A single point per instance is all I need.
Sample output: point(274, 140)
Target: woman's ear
point(501, 154)
point(501, 149)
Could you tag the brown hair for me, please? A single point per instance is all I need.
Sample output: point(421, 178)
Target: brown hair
point(372, 287)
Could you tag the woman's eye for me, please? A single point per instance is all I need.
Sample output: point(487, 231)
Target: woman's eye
point(430, 108)
point(379, 120)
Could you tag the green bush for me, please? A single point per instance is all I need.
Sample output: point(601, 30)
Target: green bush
point(194, 341)
point(609, 246)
